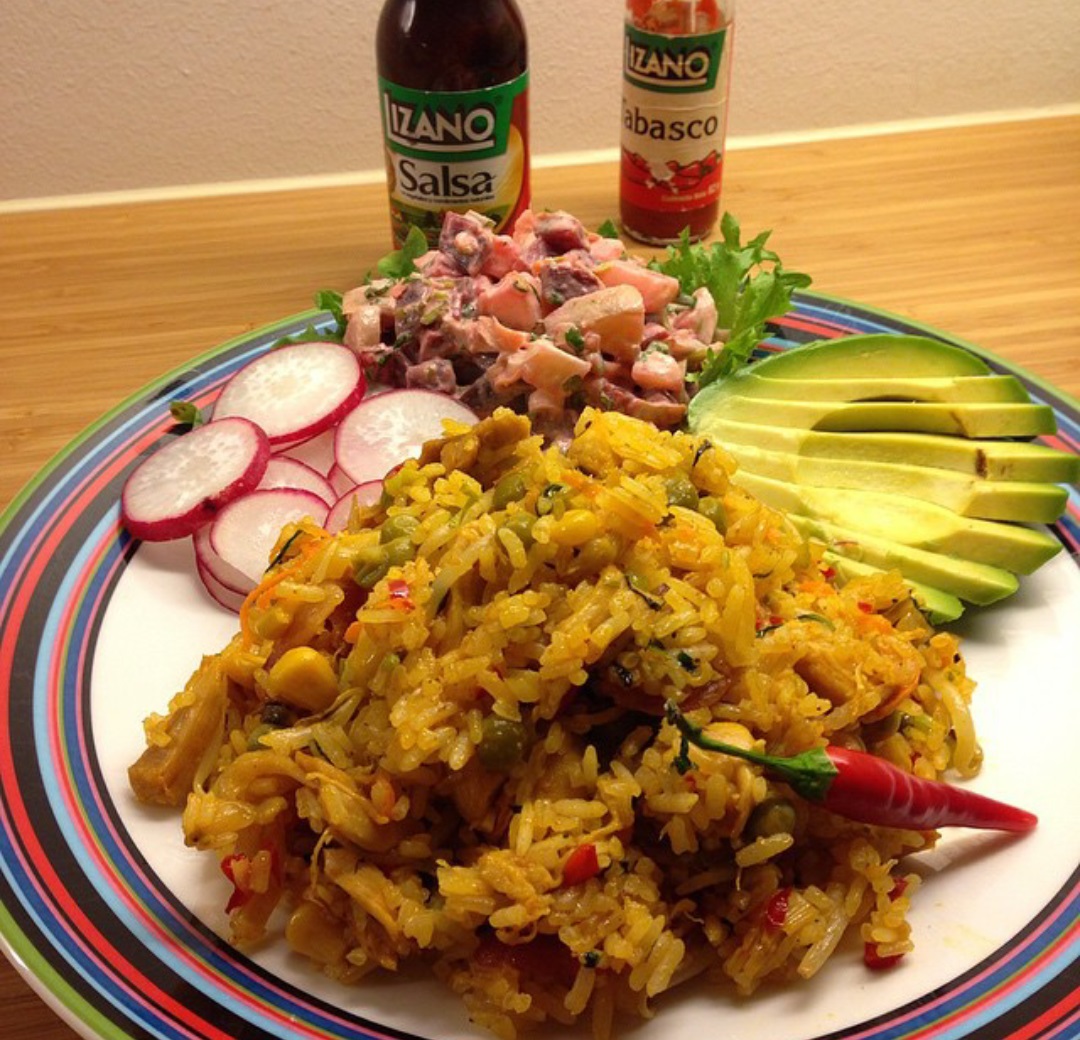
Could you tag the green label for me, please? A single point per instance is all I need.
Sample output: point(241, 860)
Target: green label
point(459, 125)
point(672, 64)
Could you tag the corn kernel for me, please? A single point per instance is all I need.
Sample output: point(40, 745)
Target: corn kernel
point(576, 527)
point(304, 678)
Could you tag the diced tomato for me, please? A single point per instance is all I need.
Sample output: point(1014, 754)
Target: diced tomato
point(581, 865)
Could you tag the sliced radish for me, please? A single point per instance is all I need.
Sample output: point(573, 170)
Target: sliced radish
point(209, 563)
point(362, 495)
point(230, 599)
point(285, 472)
point(184, 484)
point(316, 452)
point(246, 531)
point(296, 391)
point(340, 481)
point(383, 431)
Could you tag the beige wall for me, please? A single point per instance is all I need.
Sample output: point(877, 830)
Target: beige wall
point(111, 95)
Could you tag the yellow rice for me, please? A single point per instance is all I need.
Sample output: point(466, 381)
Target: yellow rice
point(558, 597)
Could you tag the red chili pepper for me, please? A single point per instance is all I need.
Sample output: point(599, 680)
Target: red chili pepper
point(581, 865)
point(865, 788)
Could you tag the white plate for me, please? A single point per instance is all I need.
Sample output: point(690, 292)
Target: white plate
point(118, 925)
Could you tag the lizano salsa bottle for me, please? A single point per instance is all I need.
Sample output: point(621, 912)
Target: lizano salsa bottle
point(453, 90)
point(676, 71)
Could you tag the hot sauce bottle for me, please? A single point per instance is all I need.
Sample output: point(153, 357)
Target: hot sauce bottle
point(676, 72)
point(453, 92)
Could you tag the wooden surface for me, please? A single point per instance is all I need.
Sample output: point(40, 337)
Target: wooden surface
point(973, 230)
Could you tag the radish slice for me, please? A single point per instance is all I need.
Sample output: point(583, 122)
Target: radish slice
point(184, 484)
point(316, 452)
point(383, 431)
point(210, 564)
point(340, 481)
point(295, 392)
point(363, 495)
point(228, 598)
point(285, 472)
point(246, 531)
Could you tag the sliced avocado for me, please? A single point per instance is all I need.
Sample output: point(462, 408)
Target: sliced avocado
point(871, 356)
point(1015, 500)
point(994, 460)
point(939, 607)
point(910, 521)
point(749, 382)
point(973, 582)
point(965, 419)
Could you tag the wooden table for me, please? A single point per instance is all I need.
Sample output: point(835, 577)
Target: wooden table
point(975, 230)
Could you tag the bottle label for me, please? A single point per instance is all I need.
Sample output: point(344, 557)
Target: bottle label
point(457, 150)
point(674, 118)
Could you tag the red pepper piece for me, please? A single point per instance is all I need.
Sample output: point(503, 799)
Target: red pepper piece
point(873, 959)
point(240, 895)
point(776, 909)
point(865, 788)
point(398, 590)
point(581, 865)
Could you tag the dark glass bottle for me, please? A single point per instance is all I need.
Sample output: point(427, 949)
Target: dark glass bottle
point(453, 92)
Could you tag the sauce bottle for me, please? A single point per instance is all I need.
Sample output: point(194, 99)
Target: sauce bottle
point(453, 91)
point(676, 72)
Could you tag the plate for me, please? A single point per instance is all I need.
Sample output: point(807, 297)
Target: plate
point(119, 926)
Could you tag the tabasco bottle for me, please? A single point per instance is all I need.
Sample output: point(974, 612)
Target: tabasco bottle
point(676, 72)
point(453, 90)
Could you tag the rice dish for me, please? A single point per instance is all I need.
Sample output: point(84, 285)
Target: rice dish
point(439, 736)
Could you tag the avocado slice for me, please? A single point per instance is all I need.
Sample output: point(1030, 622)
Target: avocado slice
point(993, 460)
point(750, 382)
point(939, 607)
point(964, 419)
point(1014, 500)
point(910, 521)
point(873, 355)
point(976, 583)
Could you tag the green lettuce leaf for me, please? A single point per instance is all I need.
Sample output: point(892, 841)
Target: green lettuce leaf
point(748, 283)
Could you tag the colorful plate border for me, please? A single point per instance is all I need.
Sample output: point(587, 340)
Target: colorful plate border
point(62, 552)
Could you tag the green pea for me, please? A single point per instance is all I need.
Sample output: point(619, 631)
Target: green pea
point(399, 526)
point(503, 743)
point(393, 554)
point(712, 508)
point(368, 575)
point(254, 741)
point(399, 550)
point(549, 500)
point(511, 488)
point(596, 554)
point(770, 817)
point(274, 713)
point(521, 524)
point(680, 491)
